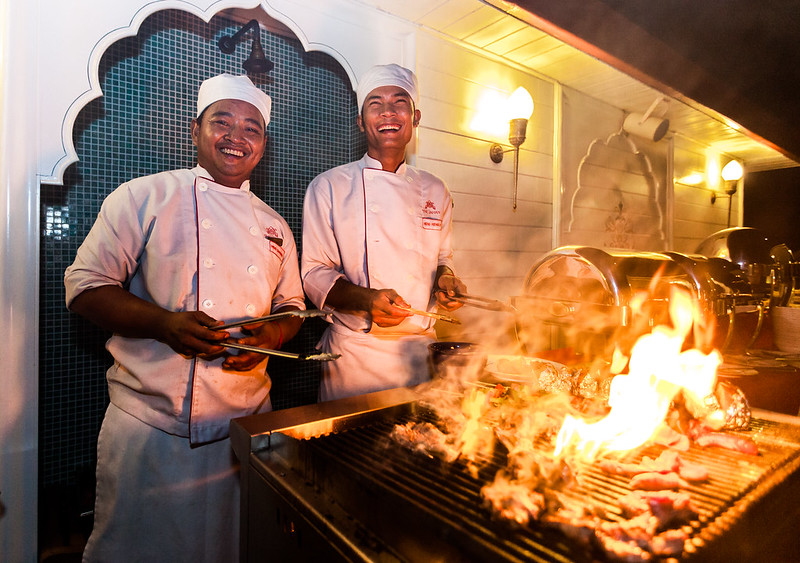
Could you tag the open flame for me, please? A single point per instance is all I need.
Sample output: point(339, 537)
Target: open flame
point(639, 400)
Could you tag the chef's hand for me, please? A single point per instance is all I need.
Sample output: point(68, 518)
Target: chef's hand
point(384, 306)
point(448, 285)
point(387, 308)
point(263, 335)
point(271, 335)
point(117, 310)
point(189, 334)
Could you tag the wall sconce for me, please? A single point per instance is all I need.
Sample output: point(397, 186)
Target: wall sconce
point(257, 62)
point(519, 112)
point(731, 174)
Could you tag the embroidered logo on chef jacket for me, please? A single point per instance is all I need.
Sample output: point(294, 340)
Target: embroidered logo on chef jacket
point(429, 220)
point(275, 241)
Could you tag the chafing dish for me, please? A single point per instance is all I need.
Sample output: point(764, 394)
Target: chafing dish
point(592, 300)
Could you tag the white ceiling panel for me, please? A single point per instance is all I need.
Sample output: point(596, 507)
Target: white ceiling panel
point(484, 26)
point(491, 34)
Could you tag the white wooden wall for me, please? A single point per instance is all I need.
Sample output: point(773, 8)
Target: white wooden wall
point(495, 245)
point(694, 216)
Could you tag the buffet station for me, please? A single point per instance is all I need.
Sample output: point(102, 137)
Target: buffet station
point(647, 415)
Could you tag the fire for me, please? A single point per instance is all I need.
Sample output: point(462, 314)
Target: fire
point(639, 400)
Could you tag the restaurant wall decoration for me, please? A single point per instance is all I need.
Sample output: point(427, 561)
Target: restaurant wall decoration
point(614, 184)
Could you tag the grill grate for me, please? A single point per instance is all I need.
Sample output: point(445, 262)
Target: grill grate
point(449, 495)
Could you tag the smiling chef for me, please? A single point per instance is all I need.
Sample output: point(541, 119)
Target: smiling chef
point(376, 243)
point(169, 257)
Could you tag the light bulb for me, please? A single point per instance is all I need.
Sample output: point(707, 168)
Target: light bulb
point(520, 104)
point(732, 171)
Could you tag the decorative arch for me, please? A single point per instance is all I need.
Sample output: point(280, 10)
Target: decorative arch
point(355, 36)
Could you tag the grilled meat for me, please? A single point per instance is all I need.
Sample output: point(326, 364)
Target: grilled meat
point(653, 481)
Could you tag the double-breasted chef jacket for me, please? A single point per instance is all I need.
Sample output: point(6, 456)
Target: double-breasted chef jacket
point(380, 230)
point(184, 242)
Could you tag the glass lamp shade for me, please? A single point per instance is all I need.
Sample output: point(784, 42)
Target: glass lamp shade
point(520, 104)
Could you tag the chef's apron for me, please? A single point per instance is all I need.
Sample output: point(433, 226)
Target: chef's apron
point(403, 238)
point(143, 473)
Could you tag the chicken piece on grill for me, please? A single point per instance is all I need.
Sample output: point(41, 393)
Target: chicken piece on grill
point(426, 438)
point(667, 436)
point(639, 529)
point(614, 467)
point(669, 543)
point(538, 470)
point(620, 550)
point(633, 504)
point(727, 441)
point(666, 462)
point(671, 508)
point(575, 524)
point(657, 481)
point(513, 501)
point(693, 472)
point(642, 532)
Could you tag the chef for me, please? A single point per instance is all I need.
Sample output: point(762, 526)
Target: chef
point(169, 257)
point(376, 242)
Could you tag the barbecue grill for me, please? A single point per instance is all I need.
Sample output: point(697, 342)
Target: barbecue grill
point(326, 482)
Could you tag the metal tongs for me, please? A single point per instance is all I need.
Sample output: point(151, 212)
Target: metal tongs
point(483, 303)
point(274, 316)
point(323, 357)
point(439, 316)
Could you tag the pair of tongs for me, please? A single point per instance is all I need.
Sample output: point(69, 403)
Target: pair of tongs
point(321, 357)
point(273, 317)
point(482, 302)
point(438, 316)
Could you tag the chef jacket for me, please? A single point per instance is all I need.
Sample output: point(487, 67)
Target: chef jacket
point(184, 242)
point(380, 230)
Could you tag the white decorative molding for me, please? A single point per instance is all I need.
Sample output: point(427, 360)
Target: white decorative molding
point(353, 34)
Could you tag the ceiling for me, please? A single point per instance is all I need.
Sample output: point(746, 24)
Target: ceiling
point(730, 79)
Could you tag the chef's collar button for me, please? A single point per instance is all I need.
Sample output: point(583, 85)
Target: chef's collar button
point(202, 186)
point(208, 263)
point(374, 208)
point(253, 230)
point(409, 179)
point(251, 309)
point(252, 269)
point(207, 303)
point(206, 223)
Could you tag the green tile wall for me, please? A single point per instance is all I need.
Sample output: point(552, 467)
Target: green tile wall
point(141, 126)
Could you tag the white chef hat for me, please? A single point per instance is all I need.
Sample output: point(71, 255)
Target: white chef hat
point(387, 75)
point(228, 87)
